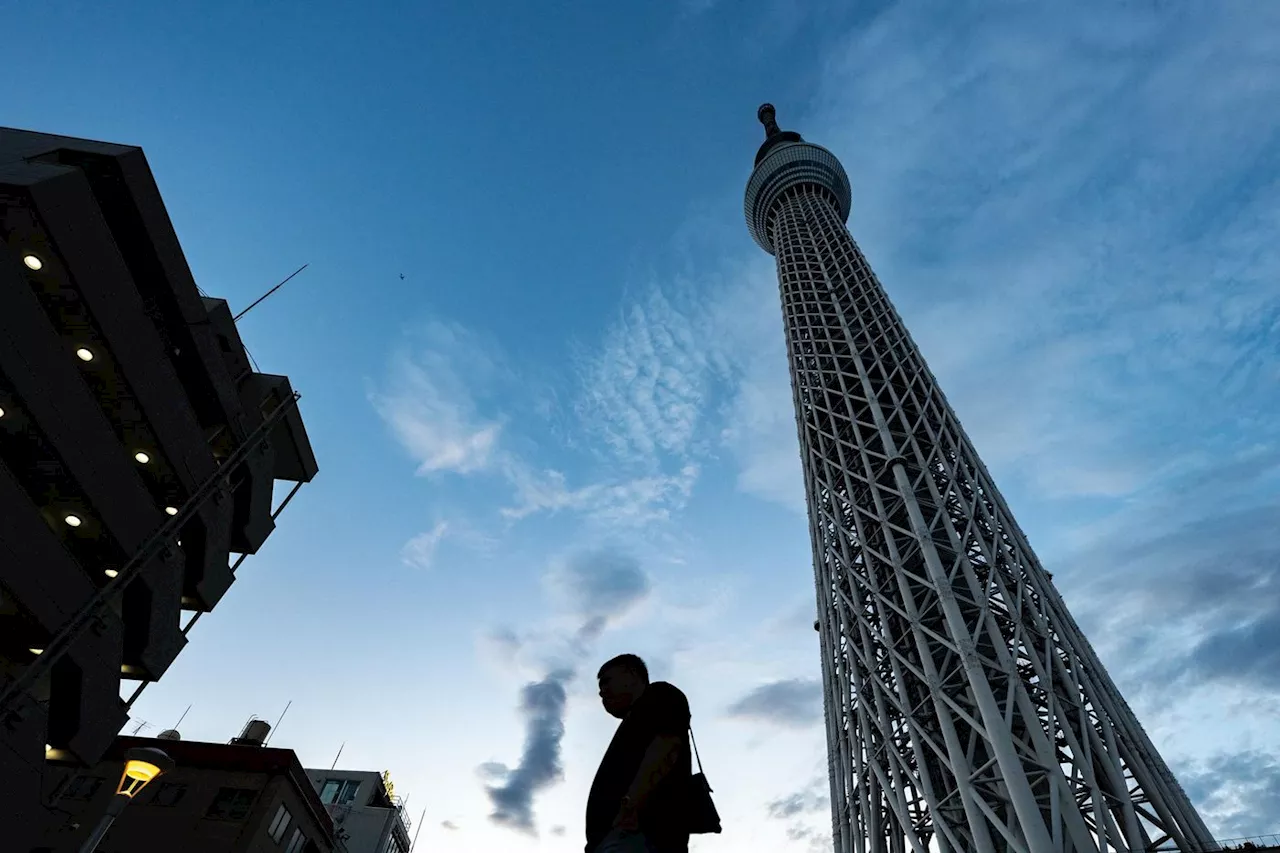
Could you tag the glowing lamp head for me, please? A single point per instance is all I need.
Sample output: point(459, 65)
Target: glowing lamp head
point(32, 262)
point(142, 458)
point(111, 573)
point(171, 510)
point(141, 765)
point(73, 520)
point(84, 354)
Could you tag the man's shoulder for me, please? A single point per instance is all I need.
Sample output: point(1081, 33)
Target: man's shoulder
point(663, 697)
point(666, 690)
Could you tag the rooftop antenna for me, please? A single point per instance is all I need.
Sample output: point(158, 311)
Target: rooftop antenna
point(269, 292)
point(421, 818)
point(183, 717)
point(141, 724)
point(277, 725)
point(339, 755)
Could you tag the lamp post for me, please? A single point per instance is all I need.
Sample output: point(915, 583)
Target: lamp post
point(141, 765)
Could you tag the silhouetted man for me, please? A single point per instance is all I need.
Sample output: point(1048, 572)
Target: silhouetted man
point(638, 793)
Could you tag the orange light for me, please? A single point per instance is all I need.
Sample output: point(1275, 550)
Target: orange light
point(140, 767)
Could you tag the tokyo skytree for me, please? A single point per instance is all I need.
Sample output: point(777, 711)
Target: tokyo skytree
point(965, 710)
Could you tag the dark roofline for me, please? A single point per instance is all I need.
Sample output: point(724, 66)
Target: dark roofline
point(225, 756)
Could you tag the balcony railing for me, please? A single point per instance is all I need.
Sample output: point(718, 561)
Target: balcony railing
point(1250, 842)
point(403, 815)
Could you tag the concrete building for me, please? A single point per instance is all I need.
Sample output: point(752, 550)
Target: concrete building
point(138, 450)
point(240, 797)
point(367, 816)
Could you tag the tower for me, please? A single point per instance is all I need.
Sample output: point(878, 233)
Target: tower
point(965, 710)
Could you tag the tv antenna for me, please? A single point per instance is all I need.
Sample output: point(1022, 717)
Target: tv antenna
point(272, 733)
point(269, 292)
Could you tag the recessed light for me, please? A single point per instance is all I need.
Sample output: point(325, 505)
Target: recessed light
point(111, 573)
point(142, 457)
point(36, 651)
point(84, 354)
point(32, 262)
point(172, 510)
point(73, 520)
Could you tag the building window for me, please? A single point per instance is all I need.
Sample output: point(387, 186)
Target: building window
point(296, 841)
point(232, 804)
point(83, 787)
point(279, 824)
point(339, 792)
point(169, 794)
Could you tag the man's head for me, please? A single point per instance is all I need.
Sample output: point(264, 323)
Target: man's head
point(622, 680)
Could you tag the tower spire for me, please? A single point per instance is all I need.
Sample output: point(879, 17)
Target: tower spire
point(768, 117)
point(773, 135)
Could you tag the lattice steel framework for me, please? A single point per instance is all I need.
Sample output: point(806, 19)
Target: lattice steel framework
point(965, 709)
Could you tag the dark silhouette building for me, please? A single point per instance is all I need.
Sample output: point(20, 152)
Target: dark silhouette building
point(238, 797)
point(138, 450)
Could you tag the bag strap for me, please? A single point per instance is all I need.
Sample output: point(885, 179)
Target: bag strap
point(694, 741)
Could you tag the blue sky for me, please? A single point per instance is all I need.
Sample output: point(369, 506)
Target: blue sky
point(567, 431)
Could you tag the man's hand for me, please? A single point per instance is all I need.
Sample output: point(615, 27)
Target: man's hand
point(628, 817)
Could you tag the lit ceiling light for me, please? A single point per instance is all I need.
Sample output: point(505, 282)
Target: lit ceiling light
point(111, 573)
point(32, 262)
point(172, 510)
point(84, 354)
point(36, 651)
point(1, 412)
point(142, 457)
point(73, 520)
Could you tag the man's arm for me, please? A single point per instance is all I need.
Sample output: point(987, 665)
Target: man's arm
point(659, 759)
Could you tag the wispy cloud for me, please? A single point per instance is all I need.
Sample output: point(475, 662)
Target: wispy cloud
point(801, 802)
point(449, 392)
point(1238, 793)
point(802, 811)
point(644, 390)
point(1057, 237)
point(633, 502)
point(795, 702)
point(430, 406)
point(420, 551)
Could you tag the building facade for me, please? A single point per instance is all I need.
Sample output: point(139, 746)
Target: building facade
point(367, 817)
point(240, 797)
point(965, 710)
point(138, 450)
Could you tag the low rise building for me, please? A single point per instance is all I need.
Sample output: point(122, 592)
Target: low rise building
point(366, 814)
point(238, 797)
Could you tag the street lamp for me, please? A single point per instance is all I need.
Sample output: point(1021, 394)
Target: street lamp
point(141, 765)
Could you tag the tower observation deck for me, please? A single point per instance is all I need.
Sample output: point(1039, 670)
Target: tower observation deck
point(965, 710)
